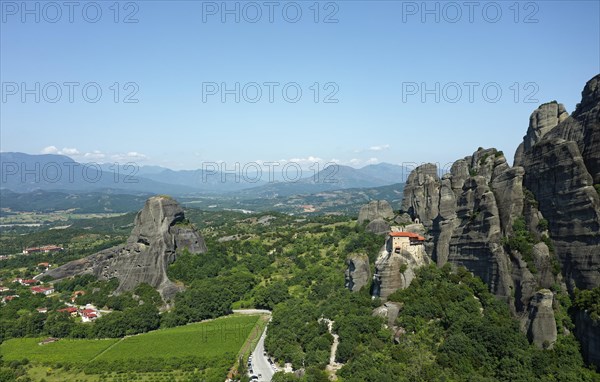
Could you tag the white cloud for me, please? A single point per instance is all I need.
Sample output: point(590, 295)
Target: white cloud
point(69, 151)
point(129, 157)
point(94, 155)
point(49, 150)
point(354, 161)
point(372, 161)
point(97, 155)
point(308, 160)
point(64, 151)
point(379, 148)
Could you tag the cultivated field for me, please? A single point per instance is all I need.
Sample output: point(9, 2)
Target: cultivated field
point(207, 339)
point(72, 351)
point(206, 348)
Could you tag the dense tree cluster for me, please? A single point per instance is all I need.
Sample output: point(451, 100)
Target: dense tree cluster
point(588, 300)
point(135, 312)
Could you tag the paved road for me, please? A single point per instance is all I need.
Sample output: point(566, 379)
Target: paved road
point(260, 364)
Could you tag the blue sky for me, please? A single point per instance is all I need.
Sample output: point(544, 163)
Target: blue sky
point(377, 59)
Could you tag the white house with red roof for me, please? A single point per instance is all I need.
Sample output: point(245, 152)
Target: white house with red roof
point(89, 313)
point(43, 290)
point(70, 309)
point(5, 299)
point(25, 282)
point(44, 249)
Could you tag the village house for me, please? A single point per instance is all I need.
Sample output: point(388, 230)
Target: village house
point(76, 294)
point(4, 289)
point(5, 299)
point(70, 309)
point(25, 282)
point(44, 265)
point(43, 290)
point(48, 340)
point(44, 249)
point(42, 310)
point(88, 315)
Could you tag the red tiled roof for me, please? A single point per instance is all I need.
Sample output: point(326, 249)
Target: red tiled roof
point(39, 289)
point(69, 309)
point(410, 235)
point(90, 313)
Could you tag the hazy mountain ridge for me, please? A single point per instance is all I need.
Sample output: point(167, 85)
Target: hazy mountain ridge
point(25, 173)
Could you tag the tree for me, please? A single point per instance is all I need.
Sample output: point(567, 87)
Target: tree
point(58, 324)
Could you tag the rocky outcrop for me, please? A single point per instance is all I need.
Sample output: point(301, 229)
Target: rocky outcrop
point(468, 212)
point(160, 232)
point(561, 167)
point(378, 227)
point(542, 120)
point(377, 209)
point(422, 193)
point(358, 273)
point(389, 311)
point(471, 211)
point(588, 332)
point(396, 270)
point(540, 325)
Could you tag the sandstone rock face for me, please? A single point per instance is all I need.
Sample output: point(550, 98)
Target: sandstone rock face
point(159, 232)
point(540, 325)
point(395, 271)
point(377, 209)
point(358, 273)
point(403, 219)
point(542, 120)
point(561, 169)
point(588, 333)
point(389, 311)
point(378, 227)
point(421, 193)
point(468, 212)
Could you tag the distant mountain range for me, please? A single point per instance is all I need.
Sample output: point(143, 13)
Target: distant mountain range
point(81, 202)
point(20, 172)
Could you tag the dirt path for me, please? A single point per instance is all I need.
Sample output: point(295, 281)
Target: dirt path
point(107, 349)
point(333, 366)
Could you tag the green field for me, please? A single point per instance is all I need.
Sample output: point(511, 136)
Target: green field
point(74, 351)
point(207, 339)
point(212, 344)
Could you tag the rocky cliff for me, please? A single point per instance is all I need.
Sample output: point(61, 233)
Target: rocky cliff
point(588, 332)
point(358, 273)
point(562, 165)
point(468, 212)
point(523, 228)
point(377, 209)
point(160, 231)
point(540, 325)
